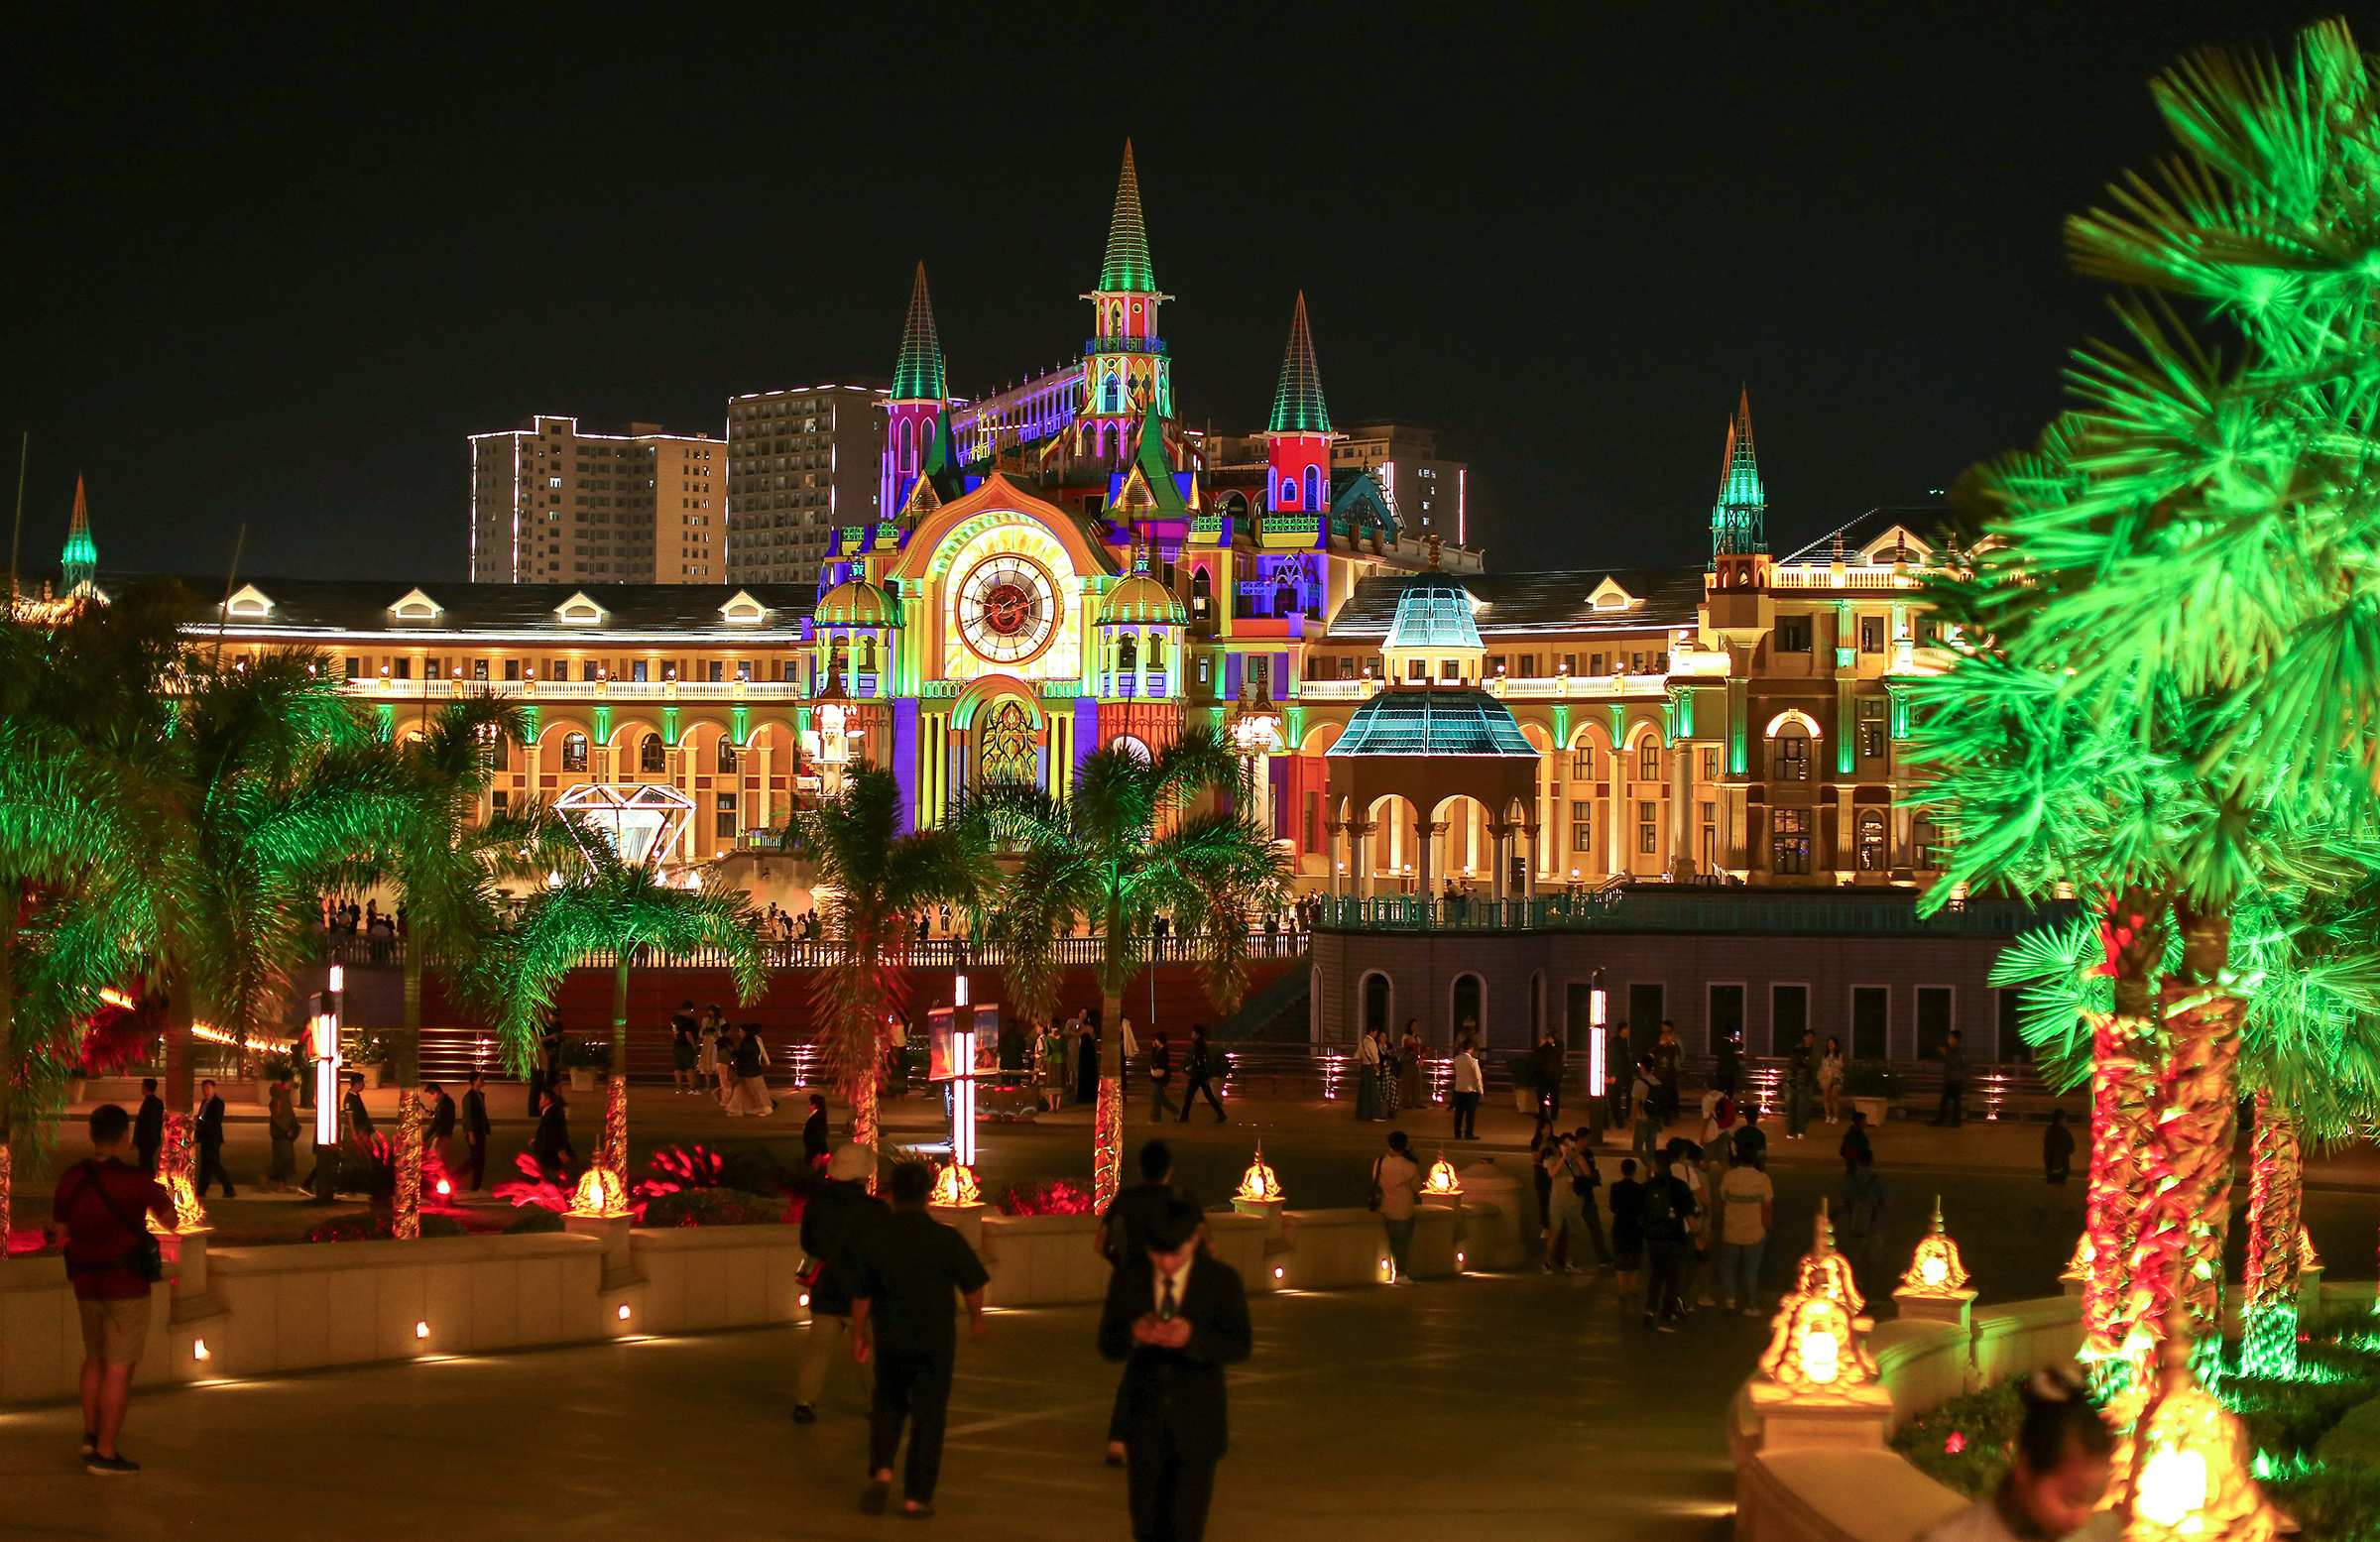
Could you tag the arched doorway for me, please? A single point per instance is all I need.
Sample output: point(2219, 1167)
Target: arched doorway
point(1376, 1000)
point(1467, 1012)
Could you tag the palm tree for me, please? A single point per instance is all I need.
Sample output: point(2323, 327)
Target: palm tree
point(2187, 559)
point(443, 856)
point(1124, 848)
point(603, 904)
point(878, 878)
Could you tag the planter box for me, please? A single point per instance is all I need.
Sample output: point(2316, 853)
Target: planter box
point(583, 1080)
point(1524, 1100)
point(1877, 1109)
point(376, 1075)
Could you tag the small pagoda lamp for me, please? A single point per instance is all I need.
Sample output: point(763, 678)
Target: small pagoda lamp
point(2078, 1269)
point(956, 1187)
point(2192, 1460)
point(1935, 1287)
point(599, 1195)
point(1442, 1182)
point(1260, 1196)
point(1818, 1384)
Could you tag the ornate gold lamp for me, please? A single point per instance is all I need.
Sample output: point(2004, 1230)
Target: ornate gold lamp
point(1934, 1285)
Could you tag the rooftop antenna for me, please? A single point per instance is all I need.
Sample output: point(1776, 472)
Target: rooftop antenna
point(24, 455)
point(223, 617)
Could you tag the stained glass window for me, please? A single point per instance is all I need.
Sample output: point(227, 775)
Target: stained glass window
point(1006, 744)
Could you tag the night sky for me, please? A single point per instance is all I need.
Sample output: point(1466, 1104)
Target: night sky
point(273, 266)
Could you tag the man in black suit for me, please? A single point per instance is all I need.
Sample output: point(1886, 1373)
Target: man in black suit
point(1176, 1317)
point(210, 1141)
point(1123, 1239)
point(915, 1269)
point(442, 1126)
point(551, 1142)
point(475, 1131)
point(149, 1127)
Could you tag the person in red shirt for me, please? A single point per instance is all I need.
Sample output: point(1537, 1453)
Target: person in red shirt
point(98, 1213)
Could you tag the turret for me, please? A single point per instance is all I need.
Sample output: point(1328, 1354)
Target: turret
point(1298, 437)
point(916, 417)
point(1124, 369)
point(81, 558)
point(1740, 519)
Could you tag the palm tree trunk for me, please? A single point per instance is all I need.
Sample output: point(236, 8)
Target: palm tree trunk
point(2275, 1187)
point(864, 1123)
point(1107, 1129)
point(409, 1040)
point(613, 1154)
point(2123, 1104)
point(8, 1056)
point(178, 1039)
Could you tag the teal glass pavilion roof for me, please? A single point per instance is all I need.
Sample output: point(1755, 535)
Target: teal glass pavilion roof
point(1432, 722)
point(1433, 615)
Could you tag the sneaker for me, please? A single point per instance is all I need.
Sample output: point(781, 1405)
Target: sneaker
point(803, 1413)
point(1753, 1311)
point(109, 1467)
point(90, 1444)
point(1730, 1307)
point(1571, 1269)
point(1665, 1327)
point(1545, 1268)
point(1705, 1301)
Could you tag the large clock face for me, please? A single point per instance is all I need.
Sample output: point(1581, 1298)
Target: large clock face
point(1007, 609)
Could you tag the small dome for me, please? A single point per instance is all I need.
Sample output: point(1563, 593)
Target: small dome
point(856, 602)
point(1141, 598)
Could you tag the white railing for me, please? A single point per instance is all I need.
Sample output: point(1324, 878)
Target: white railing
point(1851, 578)
point(1575, 687)
point(1336, 691)
point(577, 690)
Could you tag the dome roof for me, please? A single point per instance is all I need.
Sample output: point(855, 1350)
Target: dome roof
point(1141, 598)
point(1432, 720)
point(856, 602)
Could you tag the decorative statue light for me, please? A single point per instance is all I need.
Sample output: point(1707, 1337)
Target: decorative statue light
point(2078, 1270)
point(176, 1164)
point(1820, 1344)
point(600, 1194)
point(956, 1186)
point(2191, 1459)
point(1934, 1269)
point(2308, 1259)
point(1442, 1179)
point(1259, 1182)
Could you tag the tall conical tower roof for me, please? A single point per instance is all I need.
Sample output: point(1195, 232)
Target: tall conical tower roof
point(1297, 402)
point(1127, 268)
point(81, 558)
point(918, 376)
point(1738, 473)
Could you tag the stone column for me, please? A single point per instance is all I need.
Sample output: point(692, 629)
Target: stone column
point(1681, 805)
point(1528, 880)
point(1359, 864)
point(1502, 870)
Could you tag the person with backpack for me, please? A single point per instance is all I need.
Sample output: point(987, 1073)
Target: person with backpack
point(1585, 1182)
point(1395, 1191)
point(1627, 1227)
point(1648, 1110)
point(835, 1226)
point(99, 1213)
point(1859, 1207)
point(1665, 1218)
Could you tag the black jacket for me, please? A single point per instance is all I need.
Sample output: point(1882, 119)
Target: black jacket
point(149, 1124)
point(553, 1139)
point(441, 1118)
point(813, 1136)
point(210, 1122)
point(1179, 1392)
point(359, 1120)
point(475, 1114)
point(1160, 1062)
point(834, 1227)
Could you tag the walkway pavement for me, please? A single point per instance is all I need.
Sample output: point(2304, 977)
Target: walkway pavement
point(1508, 1408)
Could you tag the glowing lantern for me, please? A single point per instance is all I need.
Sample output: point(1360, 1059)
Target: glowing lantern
point(2308, 1259)
point(957, 1186)
point(639, 824)
point(599, 1193)
point(2078, 1269)
point(1442, 1179)
point(1259, 1182)
point(1819, 1345)
point(1934, 1269)
point(2193, 1457)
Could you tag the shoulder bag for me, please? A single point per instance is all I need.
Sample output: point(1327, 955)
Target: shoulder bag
point(146, 1257)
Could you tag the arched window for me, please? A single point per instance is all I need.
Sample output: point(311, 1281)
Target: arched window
point(838, 658)
point(1288, 494)
point(1871, 855)
point(1128, 652)
point(1005, 737)
point(867, 656)
point(649, 755)
point(1156, 650)
point(574, 751)
point(1376, 1001)
point(1314, 487)
point(1468, 1014)
point(1789, 754)
point(1202, 592)
point(727, 753)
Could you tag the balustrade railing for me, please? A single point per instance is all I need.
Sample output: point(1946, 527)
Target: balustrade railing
point(1731, 910)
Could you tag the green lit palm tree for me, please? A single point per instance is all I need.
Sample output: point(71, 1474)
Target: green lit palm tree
point(877, 877)
point(598, 905)
point(1124, 848)
point(443, 859)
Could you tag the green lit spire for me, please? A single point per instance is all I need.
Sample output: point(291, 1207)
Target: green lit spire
point(918, 374)
point(1740, 519)
point(1298, 403)
point(81, 560)
point(1127, 268)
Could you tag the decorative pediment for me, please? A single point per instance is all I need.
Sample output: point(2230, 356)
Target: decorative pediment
point(416, 606)
point(1609, 596)
point(579, 611)
point(744, 611)
point(1897, 545)
point(249, 604)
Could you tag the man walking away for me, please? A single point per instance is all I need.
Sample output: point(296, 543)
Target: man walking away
point(1202, 1072)
point(281, 1125)
point(1648, 1141)
point(1954, 1083)
point(441, 1126)
point(814, 1143)
point(1466, 1085)
point(476, 1129)
point(1176, 1316)
point(210, 1141)
point(835, 1227)
point(1160, 1072)
point(685, 1049)
point(904, 1316)
point(99, 1213)
point(149, 1130)
point(1395, 1183)
point(1750, 1140)
point(1627, 1227)
point(555, 1155)
point(1859, 1208)
point(359, 1118)
point(1748, 1212)
point(1548, 1056)
point(1664, 1215)
point(1125, 1227)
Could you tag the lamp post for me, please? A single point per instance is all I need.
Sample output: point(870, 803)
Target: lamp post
point(1256, 727)
point(324, 1024)
point(1599, 1053)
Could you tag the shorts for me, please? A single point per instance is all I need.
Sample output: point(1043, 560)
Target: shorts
point(682, 1056)
point(114, 1332)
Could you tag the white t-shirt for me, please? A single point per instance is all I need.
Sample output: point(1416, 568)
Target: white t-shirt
point(1467, 1073)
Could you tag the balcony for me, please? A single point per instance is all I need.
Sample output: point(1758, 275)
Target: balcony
point(532, 691)
point(1579, 687)
point(1848, 578)
point(1337, 690)
point(1671, 908)
point(1289, 531)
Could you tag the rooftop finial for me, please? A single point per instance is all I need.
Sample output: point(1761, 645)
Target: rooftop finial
point(81, 558)
point(918, 377)
point(1738, 521)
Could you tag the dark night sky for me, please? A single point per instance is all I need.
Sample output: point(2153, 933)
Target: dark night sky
point(274, 265)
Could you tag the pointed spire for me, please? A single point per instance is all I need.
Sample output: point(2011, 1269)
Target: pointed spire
point(81, 558)
point(1297, 402)
point(918, 376)
point(1127, 268)
point(1738, 521)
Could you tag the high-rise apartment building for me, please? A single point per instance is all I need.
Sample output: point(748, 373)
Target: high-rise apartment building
point(552, 504)
point(799, 464)
point(1427, 492)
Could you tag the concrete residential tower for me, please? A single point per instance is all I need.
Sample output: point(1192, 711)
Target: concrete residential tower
point(550, 504)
